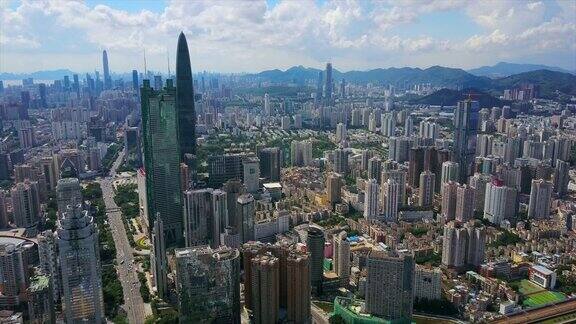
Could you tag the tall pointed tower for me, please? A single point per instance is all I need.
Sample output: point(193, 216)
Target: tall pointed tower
point(185, 102)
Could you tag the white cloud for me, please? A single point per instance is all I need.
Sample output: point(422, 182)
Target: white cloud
point(249, 35)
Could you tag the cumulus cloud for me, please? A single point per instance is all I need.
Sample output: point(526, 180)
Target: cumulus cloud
point(251, 35)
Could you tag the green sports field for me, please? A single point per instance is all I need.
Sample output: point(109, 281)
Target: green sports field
point(526, 287)
point(543, 298)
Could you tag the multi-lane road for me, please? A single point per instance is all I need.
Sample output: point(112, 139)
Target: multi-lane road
point(133, 303)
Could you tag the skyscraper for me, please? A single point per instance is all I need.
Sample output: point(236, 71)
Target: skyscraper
point(162, 159)
point(82, 297)
point(499, 202)
point(449, 190)
point(270, 162)
point(329, 83)
point(135, 83)
point(464, 203)
point(315, 246)
point(298, 287)
point(185, 102)
point(561, 178)
point(426, 189)
point(107, 78)
point(540, 198)
point(463, 245)
point(390, 200)
point(340, 161)
point(245, 213)
point(158, 262)
point(208, 285)
point(465, 118)
point(390, 285)
point(26, 206)
point(341, 257)
point(265, 281)
point(48, 256)
point(371, 206)
point(333, 187)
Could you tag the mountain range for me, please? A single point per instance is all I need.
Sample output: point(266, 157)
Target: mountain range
point(549, 81)
point(504, 69)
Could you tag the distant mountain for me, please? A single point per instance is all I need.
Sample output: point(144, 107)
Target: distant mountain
point(449, 97)
point(548, 81)
point(504, 69)
point(39, 75)
point(436, 75)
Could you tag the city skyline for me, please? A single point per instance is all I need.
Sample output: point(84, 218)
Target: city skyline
point(256, 36)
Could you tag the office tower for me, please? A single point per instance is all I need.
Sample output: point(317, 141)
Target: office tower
point(25, 99)
point(341, 133)
point(79, 255)
point(371, 206)
point(197, 217)
point(208, 284)
point(478, 183)
point(26, 206)
point(245, 213)
point(426, 188)
point(162, 159)
point(42, 93)
point(157, 82)
point(499, 202)
point(135, 83)
point(48, 256)
point(429, 129)
point(265, 278)
point(222, 168)
point(106, 69)
point(415, 165)
point(270, 163)
point(233, 189)
point(463, 246)
point(450, 172)
point(464, 132)
point(298, 287)
point(390, 285)
point(390, 200)
point(449, 190)
point(219, 219)
point(185, 103)
point(408, 126)
point(315, 246)
point(251, 170)
point(540, 199)
point(4, 220)
point(158, 262)
point(561, 178)
point(267, 107)
point(301, 153)
point(68, 193)
point(399, 176)
point(329, 84)
point(464, 203)
point(341, 253)
point(76, 86)
point(340, 161)
point(41, 307)
point(375, 169)
point(333, 188)
point(388, 125)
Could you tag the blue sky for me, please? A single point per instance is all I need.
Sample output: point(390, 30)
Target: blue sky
point(246, 36)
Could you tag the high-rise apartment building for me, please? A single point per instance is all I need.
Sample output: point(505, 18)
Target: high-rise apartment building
point(341, 253)
point(390, 285)
point(162, 159)
point(26, 206)
point(561, 178)
point(334, 188)
point(390, 200)
point(340, 161)
point(49, 264)
point(79, 256)
point(449, 190)
point(426, 188)
point(464, 203)
point(298, 287)
point(540, 199)
point(265, 280)
point(499, 202)
point(371, 206)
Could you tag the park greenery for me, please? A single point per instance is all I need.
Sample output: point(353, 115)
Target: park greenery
point(505, 239)
point(435, 307)
point(433, 259)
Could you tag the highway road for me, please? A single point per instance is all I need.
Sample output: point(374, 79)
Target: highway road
point(126, 269)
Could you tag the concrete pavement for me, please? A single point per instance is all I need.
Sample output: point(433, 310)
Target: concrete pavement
point(126, 269)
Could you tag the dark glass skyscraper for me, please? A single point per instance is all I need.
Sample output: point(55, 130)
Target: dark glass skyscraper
point(185, 102)
point(107, 78)
point(162, 159)
point(135, 80)
point(465, 129)
point(329, 83)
